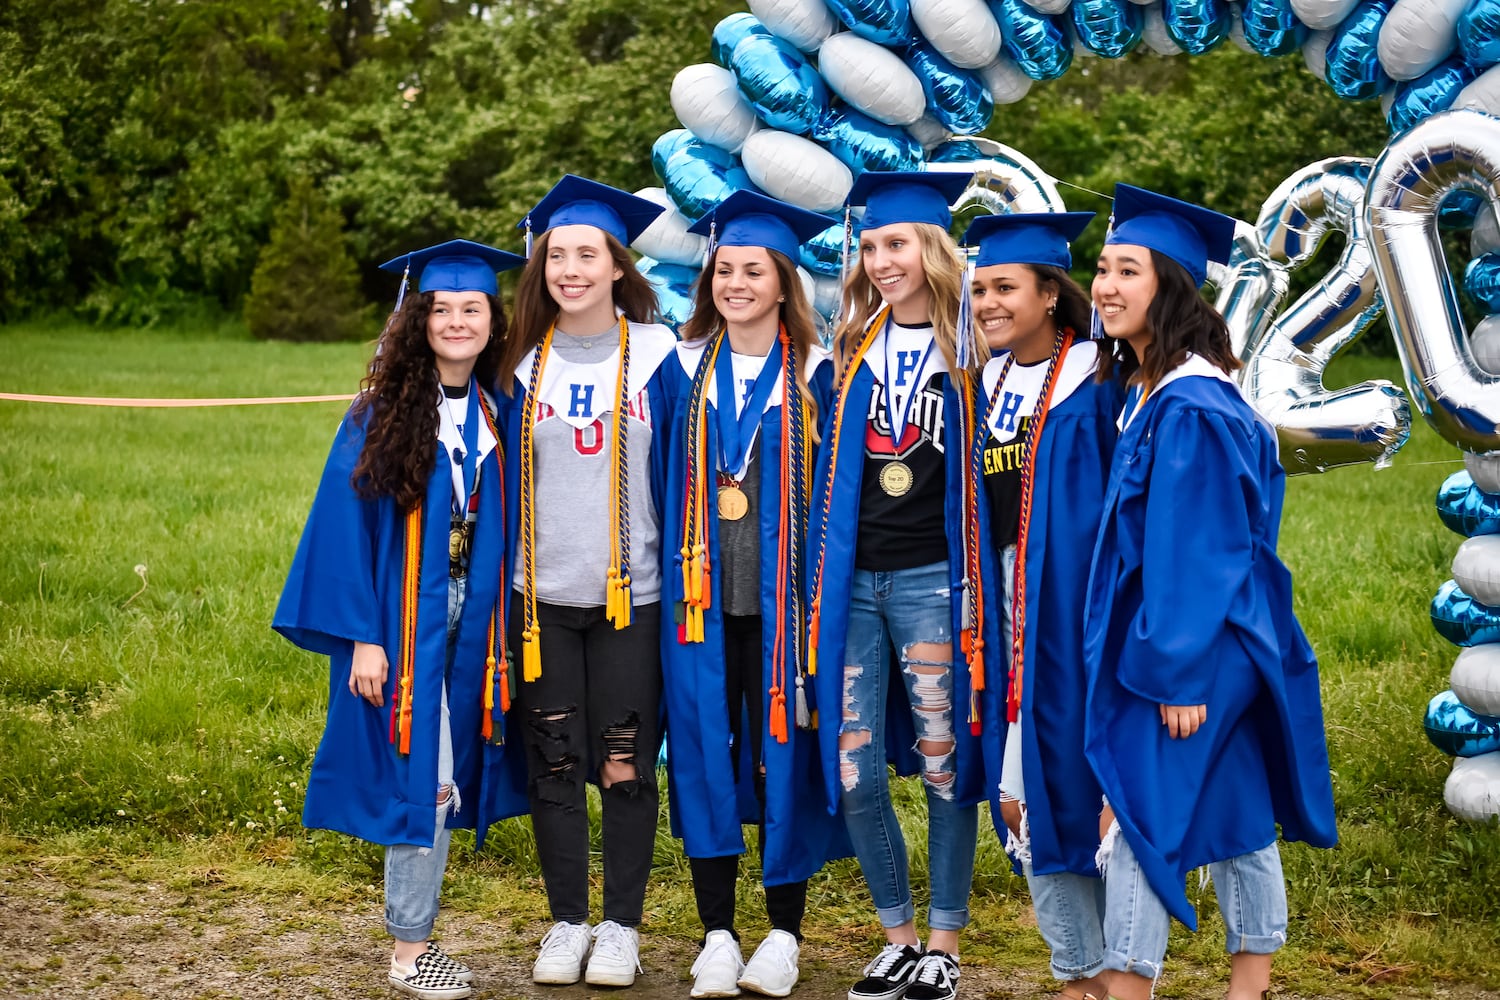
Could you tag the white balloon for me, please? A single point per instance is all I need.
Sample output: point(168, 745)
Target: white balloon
point(928, 131)
point(826, 291)
point(667, 239)
point(872, 78)
point(796, 170)
point(1155, 35)
point(1484, 344)
point(963, 31)
point(1049, 6)
point(1485, 235)
point(1476, 567)
point(1315, 52)
point(1322, 14)
point(708, 102)
point(1237, 29)
point(1485, 471)
point(1472, 791)
point(1006, 81)
point(1416, 35)
point(1387, 98)
point(1475, 678)
point(804, 23)
point(1482, 93)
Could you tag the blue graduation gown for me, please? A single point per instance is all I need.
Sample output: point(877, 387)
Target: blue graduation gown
point(344, 586)
point(836, 532)
point(1189, 604)
point(707, 809)
point(1062, 796)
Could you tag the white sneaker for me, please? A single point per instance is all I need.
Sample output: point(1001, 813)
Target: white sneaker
point(560, 961)
point(616, 957)
point(716, 973)
point(772, 970)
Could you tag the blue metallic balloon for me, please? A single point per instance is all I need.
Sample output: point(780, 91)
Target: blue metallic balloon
point(824, 253)
point(861, 143)
point(1429, 93)
point(673, 284)
point(887, 22)
point(1353, 63)
point(1482, 281)
point(1271, 27)
point(780, 84)
point(699, 176)
point(1466, 509)
point(1457, 730)
point(1479, 33)
point(957, 98)
point(956, 151)
point(1038, 43)
point(1459, 208)
point(667, 144)
point(731, 31)
point(1198, 26)
point(1109, 28)
point(1462, 620)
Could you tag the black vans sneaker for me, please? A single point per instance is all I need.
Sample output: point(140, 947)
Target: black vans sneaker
point(889, 974)
point(936, 978)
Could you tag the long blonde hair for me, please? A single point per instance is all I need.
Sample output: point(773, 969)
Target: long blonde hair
point(945, 279)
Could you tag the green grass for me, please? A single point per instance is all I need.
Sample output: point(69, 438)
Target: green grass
point(165, 732)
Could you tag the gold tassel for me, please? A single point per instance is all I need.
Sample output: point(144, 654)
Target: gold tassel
point(487, 727)
point(531, 655)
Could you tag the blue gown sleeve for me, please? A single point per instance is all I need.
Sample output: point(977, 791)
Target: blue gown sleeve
point(329, 600)
point(1197, 558)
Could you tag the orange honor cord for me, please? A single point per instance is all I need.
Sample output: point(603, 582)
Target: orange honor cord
point(971, 640)
point(496, 661)
point(411, 580)
point(617, 602)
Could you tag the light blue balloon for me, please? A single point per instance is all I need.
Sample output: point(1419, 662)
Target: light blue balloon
point(1459, 208)
point(861, 143)
point(1198, 26)
point(667, 144)
point(780, 84)
point(1109, 28)
point(1479, 33)
point(824, 253)
point(1354, 71)
point(1271, 28)
point(699, 176)
point(1462, 620)
point(673, 284)
point(731, 31)
point(956, 151)
point(1429, 93)
point(1458, 730)
point(957, 98)
point(887, 22)
point(1465, 508)
point(1482, 281)
point(1037, 42)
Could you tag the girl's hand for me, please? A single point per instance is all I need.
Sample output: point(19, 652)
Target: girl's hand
point(1106, 817)
point(1183, 721)
point(367, 674)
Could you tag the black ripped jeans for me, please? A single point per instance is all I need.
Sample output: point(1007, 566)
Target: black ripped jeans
point(596, 700)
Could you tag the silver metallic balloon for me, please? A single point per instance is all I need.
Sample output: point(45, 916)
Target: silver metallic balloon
point(1037, 42)
point(861, 143)
point(1271, 27)
point(781, 85)
point(1482, 281)
point(957, 98)
point(1412, 177)
point(1479, 33)
point(1462, 620)
point(1250, 290)
point(1466, 509)
point(1353, 67)
point(673, 284)
point(887, 22)
point(1197, 25)
point(1110, 28)
point(1457, 730)
point(1004, 179)
point(1428, 94)
point(730, 31)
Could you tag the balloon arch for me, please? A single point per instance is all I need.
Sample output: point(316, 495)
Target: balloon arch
point(802, 96)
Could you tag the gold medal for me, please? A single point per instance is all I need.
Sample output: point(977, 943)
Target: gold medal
point(733, 504)
point(895, 478)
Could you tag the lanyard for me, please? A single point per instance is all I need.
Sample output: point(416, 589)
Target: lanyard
point(737, 433)
point(1132, 405)
point(898, 427)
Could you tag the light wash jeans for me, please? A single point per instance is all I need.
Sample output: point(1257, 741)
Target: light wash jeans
point(414, 875)
point(905, 608)
point(1252, 900)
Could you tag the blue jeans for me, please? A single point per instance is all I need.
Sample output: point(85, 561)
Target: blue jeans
point(414, 875)
point(1252, 900)
point(906, 608)
point(1070, 916)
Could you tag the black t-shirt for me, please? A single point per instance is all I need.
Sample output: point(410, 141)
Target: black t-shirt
point(1002, 483)
point(901, 517)
point(739, 546)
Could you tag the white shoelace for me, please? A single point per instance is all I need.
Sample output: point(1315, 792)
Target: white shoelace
point(936, 971)
point(783, 957)
point(612, 944)
point(720, 946)
point(566, 937)
point(882, 964)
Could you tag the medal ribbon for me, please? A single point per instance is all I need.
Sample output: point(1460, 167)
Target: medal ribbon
point(470, 434)
point(737, 432)
point(898, 427)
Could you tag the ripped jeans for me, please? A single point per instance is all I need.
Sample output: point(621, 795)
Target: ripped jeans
point(596, 700)
point(911, 609)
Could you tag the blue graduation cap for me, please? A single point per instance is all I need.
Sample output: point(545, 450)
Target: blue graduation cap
point(455, 266)
point(748, 219)
point(578, 201)
point(1027, 237)
point(1189, 234)
point(916, 196)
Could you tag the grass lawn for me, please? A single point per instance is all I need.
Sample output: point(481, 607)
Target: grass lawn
point(151, 721)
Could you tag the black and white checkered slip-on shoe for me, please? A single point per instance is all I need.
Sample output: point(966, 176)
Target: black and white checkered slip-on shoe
point(457, 969)
point(888, 974)
point(427, 979)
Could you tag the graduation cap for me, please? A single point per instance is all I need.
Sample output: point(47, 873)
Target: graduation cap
point(578, 201)
point(455, 266)
point(748, 219)
point(1189, 234)
point(1026, 237)
point(916, 196)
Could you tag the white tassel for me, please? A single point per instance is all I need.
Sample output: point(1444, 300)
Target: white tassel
point(804, 717)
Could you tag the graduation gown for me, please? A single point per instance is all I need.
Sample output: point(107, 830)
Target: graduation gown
point(1189, 604)
point(345, 586)
point(834, 530)
point(707, 809)
point(1072, 467)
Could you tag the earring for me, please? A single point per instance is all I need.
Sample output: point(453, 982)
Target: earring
point(1052, 308)
point(781, 298)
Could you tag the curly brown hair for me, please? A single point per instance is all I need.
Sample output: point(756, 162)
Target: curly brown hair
point(397, 403)
point(536, 310)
